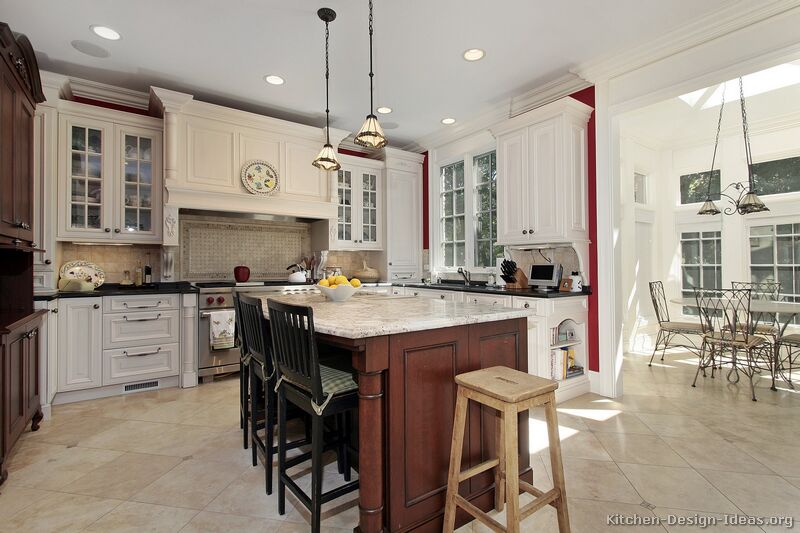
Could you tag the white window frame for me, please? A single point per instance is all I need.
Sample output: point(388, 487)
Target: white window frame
point(434, 192)
point(767, 221)
point(697, 227)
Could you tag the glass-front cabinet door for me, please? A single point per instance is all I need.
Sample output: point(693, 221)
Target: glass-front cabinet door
point(359, 224)
point(87, 167)
point(139, 185)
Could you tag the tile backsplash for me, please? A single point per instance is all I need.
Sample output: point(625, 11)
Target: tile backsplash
point(114, 260)
point(354, 261)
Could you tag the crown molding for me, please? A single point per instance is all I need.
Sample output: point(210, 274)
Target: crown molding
point(55, 87)
point(168, 101)
point(531, 99)
point(734, 16)
point(108, 93)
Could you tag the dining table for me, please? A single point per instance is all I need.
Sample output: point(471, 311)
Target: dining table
point(783, 312)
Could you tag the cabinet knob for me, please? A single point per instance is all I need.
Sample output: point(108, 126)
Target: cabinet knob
point(107, 230)
point(116, 230)
point(390, 263)
point(441, 296)
point(48, 262)
point(55, 311)
point(416, 294)
point(16, 242)
point(530, 231)
point(527, 306)
point(524, 232)
point(96, 306)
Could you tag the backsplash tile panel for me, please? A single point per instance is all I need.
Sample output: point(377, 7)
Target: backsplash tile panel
point(212, 246)
point(114, 260)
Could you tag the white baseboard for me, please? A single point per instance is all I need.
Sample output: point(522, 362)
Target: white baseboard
point(111, 390)
point(189, 379)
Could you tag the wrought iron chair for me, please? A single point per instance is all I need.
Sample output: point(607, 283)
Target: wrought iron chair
point(763, 323)
point(668, 330)
point(727, 333)
point(785, 364)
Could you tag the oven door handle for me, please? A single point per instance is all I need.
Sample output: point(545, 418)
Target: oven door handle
point(205, 314)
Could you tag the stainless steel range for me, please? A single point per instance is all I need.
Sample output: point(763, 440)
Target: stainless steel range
point(218, 295)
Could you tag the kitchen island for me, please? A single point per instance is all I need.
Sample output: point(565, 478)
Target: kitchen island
point(406, 352)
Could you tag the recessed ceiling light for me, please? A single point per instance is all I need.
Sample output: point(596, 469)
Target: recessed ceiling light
point(383, 110)
point(474, 54)
point(274, 80)
point(448, 121)
point(106, 33)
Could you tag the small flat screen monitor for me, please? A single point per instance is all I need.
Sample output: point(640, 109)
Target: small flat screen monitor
point(545, 277)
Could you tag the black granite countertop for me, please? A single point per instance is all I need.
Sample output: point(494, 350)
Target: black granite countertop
point(115, 289)
point(528, 293)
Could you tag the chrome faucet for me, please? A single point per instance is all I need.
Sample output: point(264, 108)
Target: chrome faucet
point(466, 275)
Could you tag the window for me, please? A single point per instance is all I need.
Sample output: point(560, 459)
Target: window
point(486, 251)
point(453, 219)
point(639, 188)
point(775, 256)
point(776, 177)
point(701, 263)
point(694, 187)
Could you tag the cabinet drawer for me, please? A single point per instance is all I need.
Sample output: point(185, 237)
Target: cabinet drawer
point(143, 362)
point(487, 299)
point(531, 304)
point(402, 276)
point(122, 330)
point(140, 302)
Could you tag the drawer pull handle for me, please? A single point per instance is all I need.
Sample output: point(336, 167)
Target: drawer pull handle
point(126, 354)
point(141, 319)
point(125, 304)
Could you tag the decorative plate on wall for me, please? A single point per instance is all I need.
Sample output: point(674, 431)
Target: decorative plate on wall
point(259, 177)
point(84, 271)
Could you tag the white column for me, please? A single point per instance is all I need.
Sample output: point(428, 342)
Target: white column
point(189, 340)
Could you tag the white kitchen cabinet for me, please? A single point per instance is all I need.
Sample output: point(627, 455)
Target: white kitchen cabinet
point(360, 198)
point(434, 294)
point(45, 150)
point(542, 175)
point(487, 299)
point(110, 176)
point(80, 343)
point(121, 330)
point(537, 332)
point(125, 365)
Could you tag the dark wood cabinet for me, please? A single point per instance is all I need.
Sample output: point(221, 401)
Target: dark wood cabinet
point(19, 381)
point(422, 368)
point(20, 90)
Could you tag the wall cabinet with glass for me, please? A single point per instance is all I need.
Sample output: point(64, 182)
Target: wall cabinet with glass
point(109, 180)
point(359, 222)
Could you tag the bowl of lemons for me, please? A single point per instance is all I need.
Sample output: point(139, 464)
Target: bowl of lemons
point(338, 288)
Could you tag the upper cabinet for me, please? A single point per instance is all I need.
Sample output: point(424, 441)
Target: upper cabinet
point(403, 215)
point(542, 175)
point(360, 213)
point(20, 90)
point(110, 183)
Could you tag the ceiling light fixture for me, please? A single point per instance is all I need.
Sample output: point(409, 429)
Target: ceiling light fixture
point(106, 33)
point(474, 54)
point(326, 159)
point(371, 134)
point(448, 121)
point(272, 79)
point(743, 199)
point(383, 110)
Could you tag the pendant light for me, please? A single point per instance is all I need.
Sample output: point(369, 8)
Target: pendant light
point(743, 199)
point(326, 159)
point(371, 133)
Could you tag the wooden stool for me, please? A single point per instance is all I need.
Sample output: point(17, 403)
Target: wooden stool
point(509, 392)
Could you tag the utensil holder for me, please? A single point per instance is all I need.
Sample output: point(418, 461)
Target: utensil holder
point(521, 281)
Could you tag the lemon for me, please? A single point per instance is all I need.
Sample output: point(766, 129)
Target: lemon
point(355, 282)
point(331, 280)
point(345, 283)
point(334, 286)
point(324, 283)
point(340, 280)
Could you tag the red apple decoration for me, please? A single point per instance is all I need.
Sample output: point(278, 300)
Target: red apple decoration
point(241, 273)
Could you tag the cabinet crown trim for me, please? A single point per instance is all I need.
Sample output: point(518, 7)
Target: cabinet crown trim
point(564, 106)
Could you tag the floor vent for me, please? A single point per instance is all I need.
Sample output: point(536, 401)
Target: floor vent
point(141, 386)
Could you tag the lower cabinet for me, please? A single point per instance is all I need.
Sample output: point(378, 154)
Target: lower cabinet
point(19, 383)
point(142, 362)
point(80, 343)
point(422, 368)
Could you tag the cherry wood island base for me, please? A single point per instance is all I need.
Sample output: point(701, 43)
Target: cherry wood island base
point(407, 396)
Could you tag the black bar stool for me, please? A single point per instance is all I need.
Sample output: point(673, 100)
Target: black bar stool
point(320, 391)
point(244, 376)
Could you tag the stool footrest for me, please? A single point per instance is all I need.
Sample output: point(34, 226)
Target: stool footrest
point(547, 498)
point(477, 469)
point(479, 515)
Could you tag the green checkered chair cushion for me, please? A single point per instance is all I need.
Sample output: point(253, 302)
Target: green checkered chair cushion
point(336, 381)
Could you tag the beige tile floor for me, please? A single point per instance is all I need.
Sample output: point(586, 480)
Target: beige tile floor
point(172, 460)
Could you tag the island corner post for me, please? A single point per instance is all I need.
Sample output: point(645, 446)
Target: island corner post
point(407, 397)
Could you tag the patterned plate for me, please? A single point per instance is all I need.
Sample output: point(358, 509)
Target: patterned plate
point(259, 177)
point(83, 270)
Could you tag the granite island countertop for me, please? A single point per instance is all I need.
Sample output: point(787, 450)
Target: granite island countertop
point(372, 315)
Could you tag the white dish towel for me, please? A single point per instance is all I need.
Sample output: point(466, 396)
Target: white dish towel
point(223, 327)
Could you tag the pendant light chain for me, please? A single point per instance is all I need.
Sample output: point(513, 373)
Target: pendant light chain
point(746, 131)
point(327, 88)
point(371, 73)
point(716, 142)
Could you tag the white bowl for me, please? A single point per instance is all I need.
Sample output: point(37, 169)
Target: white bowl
point(340, 294)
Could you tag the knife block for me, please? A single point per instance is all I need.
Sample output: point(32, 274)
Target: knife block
point(521, 281)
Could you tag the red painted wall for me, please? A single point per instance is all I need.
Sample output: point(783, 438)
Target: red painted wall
point(587, 97)
point(109, 105)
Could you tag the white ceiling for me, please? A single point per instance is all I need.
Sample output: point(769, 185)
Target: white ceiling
point(220, 50)
point(674, 121)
